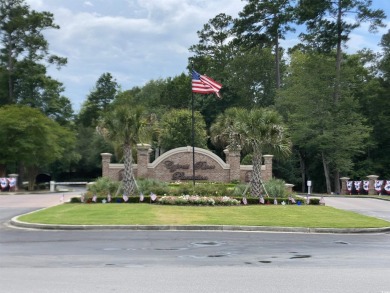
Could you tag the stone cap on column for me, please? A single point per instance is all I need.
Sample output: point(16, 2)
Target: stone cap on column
point(106, 155)
point(372, 177)
point(144, 146)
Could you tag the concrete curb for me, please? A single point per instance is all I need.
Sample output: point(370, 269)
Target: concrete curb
point(15, 222)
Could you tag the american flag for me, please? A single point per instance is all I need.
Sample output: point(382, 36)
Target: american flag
point(203, 84)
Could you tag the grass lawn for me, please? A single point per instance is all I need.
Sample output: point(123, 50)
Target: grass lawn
point(256, 215)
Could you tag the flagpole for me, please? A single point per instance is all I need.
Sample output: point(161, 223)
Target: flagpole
point(193, 135)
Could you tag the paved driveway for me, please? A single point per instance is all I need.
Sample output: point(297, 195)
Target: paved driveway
point(35, 200)
point(366, 206)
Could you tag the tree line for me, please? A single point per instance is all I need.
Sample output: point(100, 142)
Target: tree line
point(323, 112)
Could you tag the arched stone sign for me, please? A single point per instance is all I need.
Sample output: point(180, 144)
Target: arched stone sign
point(177, 164)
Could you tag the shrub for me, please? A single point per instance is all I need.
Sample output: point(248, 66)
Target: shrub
point(239, 190)
point(75, 200)
point(103, 186)
point(276, 188)
point(147, 186)
point(314, 201)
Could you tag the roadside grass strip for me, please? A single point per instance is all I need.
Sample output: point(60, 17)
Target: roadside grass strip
point(153, 214)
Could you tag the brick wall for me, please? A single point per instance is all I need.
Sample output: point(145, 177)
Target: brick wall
point(177, 164)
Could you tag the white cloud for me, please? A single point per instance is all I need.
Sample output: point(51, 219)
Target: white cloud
point(134, 40)
point(88, 3)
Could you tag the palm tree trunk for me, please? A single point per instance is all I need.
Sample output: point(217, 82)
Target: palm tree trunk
point(256, 174)
point(128, 178)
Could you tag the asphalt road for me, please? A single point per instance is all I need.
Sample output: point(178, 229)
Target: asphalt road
point(185, 261)
point(366, 206)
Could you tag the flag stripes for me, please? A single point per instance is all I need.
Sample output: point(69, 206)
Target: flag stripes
point(203, 84)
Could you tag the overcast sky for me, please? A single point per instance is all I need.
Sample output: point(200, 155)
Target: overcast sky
point(140, 40)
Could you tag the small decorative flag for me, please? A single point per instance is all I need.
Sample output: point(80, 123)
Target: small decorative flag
point(12, 182)
point(153, 196)
point(378, 185)
point(3, 183)
point(365, 184)
point(387, 186)
point(109, 197)
point(94, 198)
point(261, 200)
point(357, 186)
point(349, 186)
point(125, 198)
point(244, 201)
point(203, 84)
point(141, 197)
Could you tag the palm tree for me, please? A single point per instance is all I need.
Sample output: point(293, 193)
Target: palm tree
point(124, 125)
point(258, 130)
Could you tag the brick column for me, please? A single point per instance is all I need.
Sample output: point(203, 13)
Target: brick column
point(371, 184)
point(267, 174)
point(143, 151)
point(233, 159)
point(106, 159)
point(344, 189)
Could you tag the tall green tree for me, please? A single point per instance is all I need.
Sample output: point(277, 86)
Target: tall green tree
point(214, 49)
point(264, 23)
point(329, 24)
point(258, 130)
point(98, 100)
point(251, 76)
point(378, 112)
point(330, 133)
point(30, 138)
point(22, 39)
point(176, 129)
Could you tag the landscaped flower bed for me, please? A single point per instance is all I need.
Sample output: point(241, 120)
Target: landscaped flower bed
point(206, 194)
point(198, 200)
point(190, 200)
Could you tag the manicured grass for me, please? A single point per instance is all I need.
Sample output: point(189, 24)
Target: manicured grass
point(147, 214)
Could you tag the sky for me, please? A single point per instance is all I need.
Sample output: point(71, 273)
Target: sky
point(142, 40)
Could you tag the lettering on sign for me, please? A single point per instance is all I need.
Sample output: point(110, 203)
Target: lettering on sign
point(183, 176)
point(203, 166)
point(172, 167)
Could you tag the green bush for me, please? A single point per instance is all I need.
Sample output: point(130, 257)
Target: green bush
point(239, 190)
point(103, 186)
point(75, 200)
point(276, 188)
point(147, 186)
point(315, 201)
